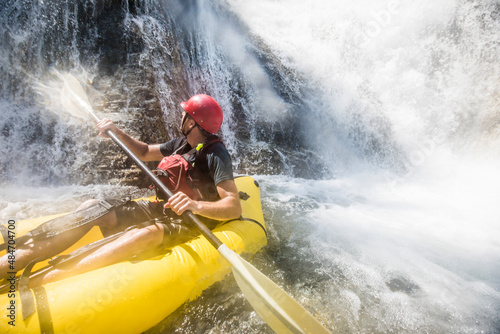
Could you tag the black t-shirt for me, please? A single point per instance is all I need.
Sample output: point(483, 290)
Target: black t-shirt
point(218, 159)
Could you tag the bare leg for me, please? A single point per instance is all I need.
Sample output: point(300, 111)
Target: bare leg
point(131, 243)
point(52, 246)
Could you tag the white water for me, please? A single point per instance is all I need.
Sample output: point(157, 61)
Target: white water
point(427, 71)
point(410, 247)
point(411, 252)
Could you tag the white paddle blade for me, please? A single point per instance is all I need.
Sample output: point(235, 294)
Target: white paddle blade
point(63, 94)
point(74, 98)
point(280, 311)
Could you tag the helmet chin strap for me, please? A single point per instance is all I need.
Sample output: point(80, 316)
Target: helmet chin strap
point(184, 119)
point(188, 131)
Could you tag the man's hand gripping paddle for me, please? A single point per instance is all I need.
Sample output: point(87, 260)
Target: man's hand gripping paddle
point(280, 311)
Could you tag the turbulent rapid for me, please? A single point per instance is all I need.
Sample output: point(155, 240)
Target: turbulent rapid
point(373, 128)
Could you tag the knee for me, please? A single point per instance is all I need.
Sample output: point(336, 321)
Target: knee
point(151, 236)
point(144, 238)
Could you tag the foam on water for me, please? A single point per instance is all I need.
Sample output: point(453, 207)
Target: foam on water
point(412, 249)
point(24, 201)
point(412, 256)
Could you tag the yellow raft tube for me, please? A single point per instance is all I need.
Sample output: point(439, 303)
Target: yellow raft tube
point(133, 297)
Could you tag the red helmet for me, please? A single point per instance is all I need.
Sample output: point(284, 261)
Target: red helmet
point(205, 111)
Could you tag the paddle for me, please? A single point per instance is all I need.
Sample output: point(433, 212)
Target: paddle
point(280, 311)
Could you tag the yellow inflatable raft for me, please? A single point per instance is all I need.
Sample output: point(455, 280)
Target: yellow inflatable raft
point(133, 297)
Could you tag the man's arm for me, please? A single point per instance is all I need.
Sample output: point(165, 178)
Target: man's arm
point(228, 207)
point(144, 151)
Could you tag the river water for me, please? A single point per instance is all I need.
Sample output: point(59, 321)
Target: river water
point(398, 231)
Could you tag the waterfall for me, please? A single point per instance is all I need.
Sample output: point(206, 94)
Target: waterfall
point(144, 58)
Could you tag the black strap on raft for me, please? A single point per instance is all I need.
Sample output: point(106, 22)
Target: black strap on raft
point(27, 301)
point(244, 196)
point(65, 223)
point(250, 220)
point(43, 310)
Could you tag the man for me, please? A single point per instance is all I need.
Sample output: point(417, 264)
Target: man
point(201, 119)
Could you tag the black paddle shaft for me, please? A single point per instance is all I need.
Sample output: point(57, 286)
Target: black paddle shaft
point(205, 231)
